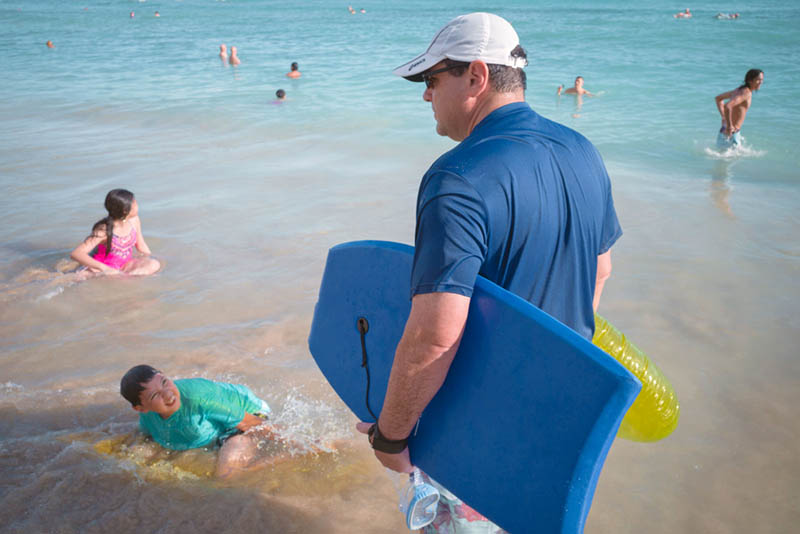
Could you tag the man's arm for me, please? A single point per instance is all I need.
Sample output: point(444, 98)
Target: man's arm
point(421, 362)
point(736, 98)
point(603, 272)
point(720, 100)
point(740, 99)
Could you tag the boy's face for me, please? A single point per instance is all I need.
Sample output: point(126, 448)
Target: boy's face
point(160, 395)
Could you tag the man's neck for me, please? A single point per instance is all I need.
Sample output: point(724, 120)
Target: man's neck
point(492, 102)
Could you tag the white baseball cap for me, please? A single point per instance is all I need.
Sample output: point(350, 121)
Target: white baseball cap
point(470, 37)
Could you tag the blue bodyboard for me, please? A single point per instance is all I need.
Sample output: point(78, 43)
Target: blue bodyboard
point(522, 424)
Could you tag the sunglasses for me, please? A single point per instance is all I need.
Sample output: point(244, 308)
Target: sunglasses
point(427, 76)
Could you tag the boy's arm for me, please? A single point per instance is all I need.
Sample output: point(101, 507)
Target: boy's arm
point(249, 421)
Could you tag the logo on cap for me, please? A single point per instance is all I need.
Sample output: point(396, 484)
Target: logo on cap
point(420, 62)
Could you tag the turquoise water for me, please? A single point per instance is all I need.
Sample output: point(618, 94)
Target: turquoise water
point(241, 198)
point(657, 75)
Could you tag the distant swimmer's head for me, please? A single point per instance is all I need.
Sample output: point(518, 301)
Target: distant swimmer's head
point(295, 66)
point(132, 14)
point(579, 81)
point(157, 14)
point(148, 390)
point(50, 44)
point(753, 79)
point(468, 38)
point(280, 94)
point(233, 50)
point(223, 49)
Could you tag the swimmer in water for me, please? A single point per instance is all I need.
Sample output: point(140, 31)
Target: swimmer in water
point(234, 60)
point(293, 73)
point(223, 53)
point(132, 14)
point(735, 109)
point(685, 14)
point(577, 89)
point(157, 14)
point(280, 95)
point(50, 44)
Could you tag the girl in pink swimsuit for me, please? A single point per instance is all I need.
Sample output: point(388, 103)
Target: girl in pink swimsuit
point(115, 236)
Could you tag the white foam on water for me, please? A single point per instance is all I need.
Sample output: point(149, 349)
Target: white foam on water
point(734, 152)
point(50, 294)
point(10, 386)
point(310, 425)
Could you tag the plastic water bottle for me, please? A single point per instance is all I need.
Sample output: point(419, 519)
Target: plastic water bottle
point(418, 502)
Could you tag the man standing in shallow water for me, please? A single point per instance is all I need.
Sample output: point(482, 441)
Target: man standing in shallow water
point(735, 109)
point(496, 205)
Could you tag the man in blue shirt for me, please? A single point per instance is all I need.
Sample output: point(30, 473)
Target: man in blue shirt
point(524, 201)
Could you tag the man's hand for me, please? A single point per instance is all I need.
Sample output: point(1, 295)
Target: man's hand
point(399, 462)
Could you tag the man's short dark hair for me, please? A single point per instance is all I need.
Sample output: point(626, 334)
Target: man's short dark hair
point(294, 66)
point(280, 93)
point(503, 79)
point(131, 384)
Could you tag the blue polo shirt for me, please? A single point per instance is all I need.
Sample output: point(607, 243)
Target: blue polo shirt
point(525, 202)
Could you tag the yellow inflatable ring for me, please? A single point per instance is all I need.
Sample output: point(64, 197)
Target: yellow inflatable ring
point(655, 412)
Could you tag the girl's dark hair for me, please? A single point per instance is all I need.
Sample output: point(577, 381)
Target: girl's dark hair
point(118, 203)
point(131, 384)
point(751, 75)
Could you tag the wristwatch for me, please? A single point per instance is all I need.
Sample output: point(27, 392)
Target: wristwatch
point(381, 443)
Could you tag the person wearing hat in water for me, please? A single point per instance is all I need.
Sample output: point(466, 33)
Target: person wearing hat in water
point(521, 200)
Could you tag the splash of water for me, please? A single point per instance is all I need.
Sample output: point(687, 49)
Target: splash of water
point(734, 152)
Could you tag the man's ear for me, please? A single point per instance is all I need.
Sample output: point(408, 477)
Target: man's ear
point(478, 73)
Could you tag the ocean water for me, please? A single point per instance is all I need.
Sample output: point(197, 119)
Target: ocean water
point(240, 198)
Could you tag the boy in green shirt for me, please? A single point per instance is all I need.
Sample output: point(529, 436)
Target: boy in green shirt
point(194, 412)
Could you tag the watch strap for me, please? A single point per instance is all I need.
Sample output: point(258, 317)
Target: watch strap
point(381, 443)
